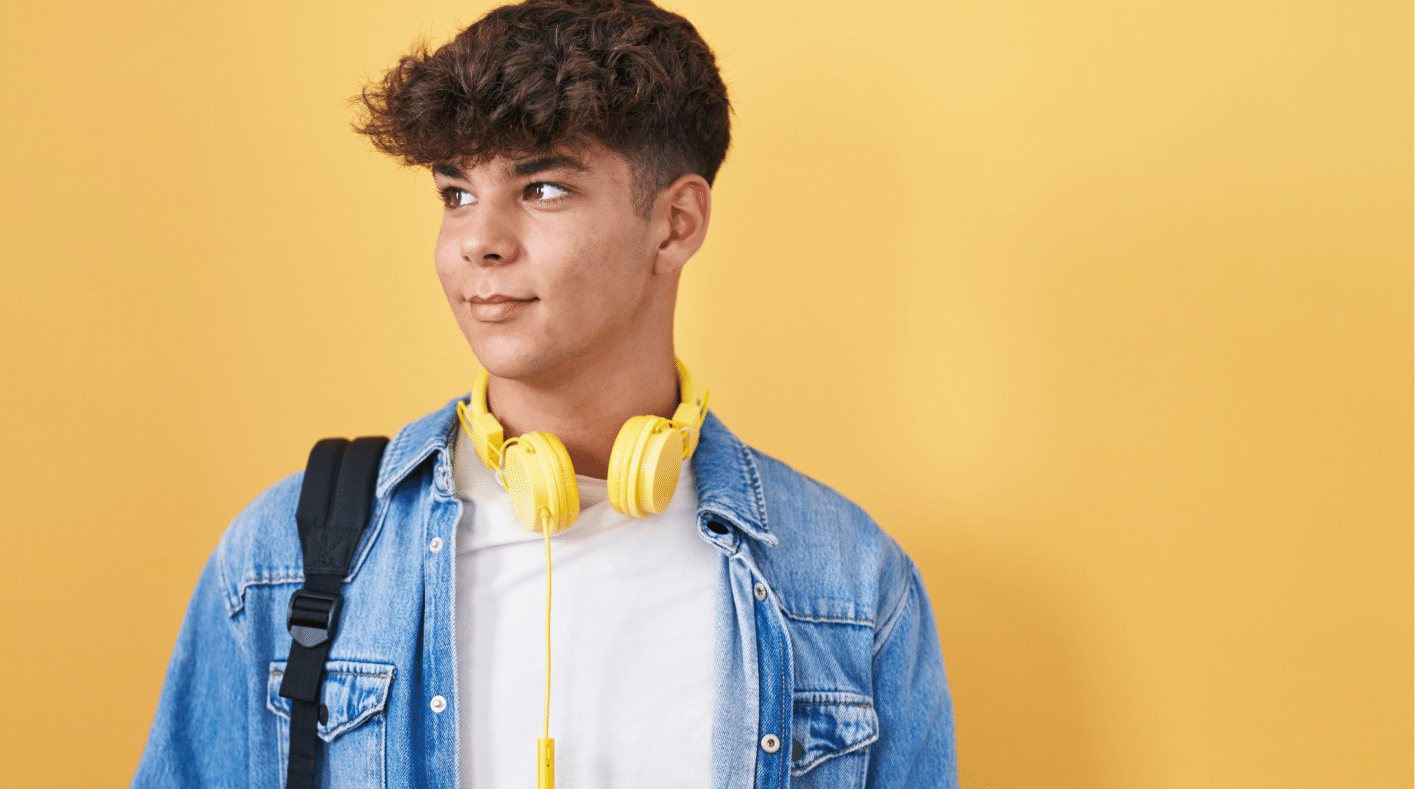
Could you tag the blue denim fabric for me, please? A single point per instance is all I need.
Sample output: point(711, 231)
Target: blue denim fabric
point(825, 639)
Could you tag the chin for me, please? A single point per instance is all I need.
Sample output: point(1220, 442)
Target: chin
point(505, 358)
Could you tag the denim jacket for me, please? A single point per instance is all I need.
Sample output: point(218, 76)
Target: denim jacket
point(828, 669)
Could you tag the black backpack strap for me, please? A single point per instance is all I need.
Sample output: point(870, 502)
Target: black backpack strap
point(335, 500)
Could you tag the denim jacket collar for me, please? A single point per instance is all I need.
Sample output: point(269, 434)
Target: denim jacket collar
point(729, 483)
point(414, 444)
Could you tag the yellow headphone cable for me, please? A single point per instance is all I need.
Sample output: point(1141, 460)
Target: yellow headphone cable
point(545, 748)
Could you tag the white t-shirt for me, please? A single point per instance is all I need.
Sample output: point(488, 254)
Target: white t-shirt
point(632, 623)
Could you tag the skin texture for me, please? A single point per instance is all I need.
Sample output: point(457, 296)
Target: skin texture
point(565, 293)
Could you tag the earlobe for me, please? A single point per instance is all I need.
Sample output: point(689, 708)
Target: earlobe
point(689, 205)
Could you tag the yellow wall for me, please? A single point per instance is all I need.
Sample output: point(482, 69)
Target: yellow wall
point(1102, 308)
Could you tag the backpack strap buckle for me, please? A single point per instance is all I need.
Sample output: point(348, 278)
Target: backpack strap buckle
point(312, 617)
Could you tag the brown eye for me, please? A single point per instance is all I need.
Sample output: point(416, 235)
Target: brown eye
point(453, 197)
point(544, 191)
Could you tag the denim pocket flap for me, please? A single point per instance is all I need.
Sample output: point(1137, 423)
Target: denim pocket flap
point(351, 693)
point(829, 724)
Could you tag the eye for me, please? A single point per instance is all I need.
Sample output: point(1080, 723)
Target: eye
point(456, 197)
point(543, 192)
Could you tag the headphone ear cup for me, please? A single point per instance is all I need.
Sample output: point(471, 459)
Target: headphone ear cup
point(644, 466)
point(621, 458)
point(541, 480)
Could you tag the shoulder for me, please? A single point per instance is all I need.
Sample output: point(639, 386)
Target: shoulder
point(262, 544)
point(832, 560)
point(824, 556)
point(261, 547)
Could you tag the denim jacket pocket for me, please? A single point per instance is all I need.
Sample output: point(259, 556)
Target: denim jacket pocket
point(354, 695)
point(826, 725)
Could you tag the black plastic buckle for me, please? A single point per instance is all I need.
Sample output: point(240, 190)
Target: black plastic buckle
point(312, 617)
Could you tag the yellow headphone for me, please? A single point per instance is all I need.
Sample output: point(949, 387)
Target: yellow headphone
point(536, 470)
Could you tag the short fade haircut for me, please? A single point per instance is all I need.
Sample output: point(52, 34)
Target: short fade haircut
point(542, 75)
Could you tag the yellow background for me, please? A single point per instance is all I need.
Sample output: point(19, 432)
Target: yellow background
point(1102, 308)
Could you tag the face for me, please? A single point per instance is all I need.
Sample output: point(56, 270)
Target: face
point(544, 261)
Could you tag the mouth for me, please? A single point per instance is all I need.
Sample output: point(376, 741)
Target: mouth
point(497, 307)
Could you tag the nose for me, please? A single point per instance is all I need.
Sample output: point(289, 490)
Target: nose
point(488, 237)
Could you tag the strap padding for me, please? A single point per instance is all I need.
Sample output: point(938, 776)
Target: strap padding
point(336, 498)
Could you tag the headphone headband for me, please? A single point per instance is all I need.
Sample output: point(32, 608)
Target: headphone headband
point(691, 410)
point(486, 433)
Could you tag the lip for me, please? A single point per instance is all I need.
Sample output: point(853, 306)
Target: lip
point(497, 307)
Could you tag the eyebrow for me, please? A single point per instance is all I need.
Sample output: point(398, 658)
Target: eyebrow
point(540, 164)
point(449, 170)
point(519, 169)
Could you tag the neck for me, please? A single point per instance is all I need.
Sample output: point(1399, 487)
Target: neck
point(585, 406)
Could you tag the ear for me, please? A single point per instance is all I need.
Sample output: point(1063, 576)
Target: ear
point(680, 217)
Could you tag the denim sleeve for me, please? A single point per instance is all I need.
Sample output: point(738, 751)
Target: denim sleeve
point(199, 737)
point(915, 746)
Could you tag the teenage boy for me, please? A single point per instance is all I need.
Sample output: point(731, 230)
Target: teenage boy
point(741, 627)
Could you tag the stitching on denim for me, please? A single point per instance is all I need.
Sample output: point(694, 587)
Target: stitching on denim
point(863, 699)
point(831, 704)
point(403, 463)
point(282, 738)
point(383, 752)
point(867, 703)
point(754, 477)
point(260, 581)
point(356, 723)
point(274, 580)
point(370, 536)
point(784, 759)
point(364, 718)
point(892, 621)
point(828, 620)
point(454, 708)
point(277, 672)
point(234, 602)
point(862, 745)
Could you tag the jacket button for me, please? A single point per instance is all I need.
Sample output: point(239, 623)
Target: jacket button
point(438, 704)
point(760, 591)
point(771, 744)
point(435, 545)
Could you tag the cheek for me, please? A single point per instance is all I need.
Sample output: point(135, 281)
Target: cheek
point(607, 292)
point(447, 262)
point(598, 275)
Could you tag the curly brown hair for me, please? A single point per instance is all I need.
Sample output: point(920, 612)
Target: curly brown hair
point(546, 75)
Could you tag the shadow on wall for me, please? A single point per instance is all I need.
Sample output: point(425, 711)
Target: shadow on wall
point(1022, 709)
